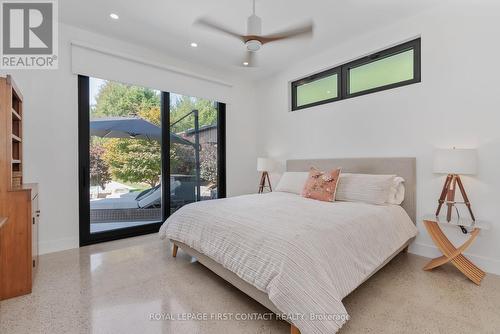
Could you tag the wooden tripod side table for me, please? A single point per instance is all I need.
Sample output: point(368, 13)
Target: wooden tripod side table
point(450, 252)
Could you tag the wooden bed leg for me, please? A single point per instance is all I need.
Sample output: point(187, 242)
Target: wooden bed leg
point(174, 250)
point(294, 330)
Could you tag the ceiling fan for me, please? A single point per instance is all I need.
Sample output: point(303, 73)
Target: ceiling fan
point(253, 40)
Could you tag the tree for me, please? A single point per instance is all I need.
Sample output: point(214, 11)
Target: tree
point(207, 113)
point(152, 114)
point(116, 99)
point(182, 159)
point(99, 169)
point(134, 160)
point(208, 163)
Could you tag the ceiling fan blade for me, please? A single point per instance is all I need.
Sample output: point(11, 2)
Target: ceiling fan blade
point(216, 27)
point(302, 30)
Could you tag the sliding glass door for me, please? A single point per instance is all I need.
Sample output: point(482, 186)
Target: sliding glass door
point(194, 155)
point(131, 141)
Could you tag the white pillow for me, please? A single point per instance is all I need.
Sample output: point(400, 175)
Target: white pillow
point(368, 188)
point(292, 182)
point(397, 191)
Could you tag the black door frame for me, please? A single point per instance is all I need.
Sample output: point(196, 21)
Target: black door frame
point(87, 238)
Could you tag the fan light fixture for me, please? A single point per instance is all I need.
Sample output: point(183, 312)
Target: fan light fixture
point(253, 45)
point(253, 39)
point(114, 16)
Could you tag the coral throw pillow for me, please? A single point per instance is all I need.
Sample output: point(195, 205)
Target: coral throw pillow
point(321, 185)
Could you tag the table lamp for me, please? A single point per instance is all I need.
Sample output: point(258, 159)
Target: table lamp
point(265, 165)
point(454, 162)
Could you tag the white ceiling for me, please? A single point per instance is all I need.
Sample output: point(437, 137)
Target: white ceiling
point(167, 25)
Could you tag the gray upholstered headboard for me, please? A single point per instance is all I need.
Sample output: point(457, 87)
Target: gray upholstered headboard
point(404, 167)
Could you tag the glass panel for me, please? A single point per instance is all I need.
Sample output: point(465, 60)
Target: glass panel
point(193, 150)
point(125, 156)
point(319, 90)
point(386, 71)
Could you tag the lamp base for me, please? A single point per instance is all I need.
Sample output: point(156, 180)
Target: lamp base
point(264, 177)
point(448, 196)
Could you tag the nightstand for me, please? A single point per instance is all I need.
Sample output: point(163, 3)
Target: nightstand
point(450, 252)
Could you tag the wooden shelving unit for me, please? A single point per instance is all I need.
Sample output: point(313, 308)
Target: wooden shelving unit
point(16, 131)
point(18, 201)
point(15, 115)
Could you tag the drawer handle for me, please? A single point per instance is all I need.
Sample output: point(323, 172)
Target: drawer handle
point(33, 220)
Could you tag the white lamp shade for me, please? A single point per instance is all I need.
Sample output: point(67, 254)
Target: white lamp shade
point(455, 161)
point(265, 165)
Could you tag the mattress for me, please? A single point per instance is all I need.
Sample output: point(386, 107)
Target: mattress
point(306, 255)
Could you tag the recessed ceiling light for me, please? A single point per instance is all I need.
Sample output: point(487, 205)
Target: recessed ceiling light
point(114, 16)
point(245, 63)
point(194, 45)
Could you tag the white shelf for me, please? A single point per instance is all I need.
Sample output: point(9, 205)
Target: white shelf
point(459, 221)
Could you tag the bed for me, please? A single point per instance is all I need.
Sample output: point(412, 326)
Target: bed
point(299, 257)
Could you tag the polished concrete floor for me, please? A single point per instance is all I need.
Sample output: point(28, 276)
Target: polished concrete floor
point(117, 287)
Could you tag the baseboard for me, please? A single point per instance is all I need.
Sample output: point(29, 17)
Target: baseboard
point(51, 246)
point(487, 264)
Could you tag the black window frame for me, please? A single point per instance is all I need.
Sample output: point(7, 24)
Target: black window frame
point(344, 69)
point(411, 45)
point(336, 70)
point(87, 238)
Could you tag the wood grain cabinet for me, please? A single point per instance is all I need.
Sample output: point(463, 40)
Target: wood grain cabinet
point(3, 222)
point(18, 201)
point(35, 214)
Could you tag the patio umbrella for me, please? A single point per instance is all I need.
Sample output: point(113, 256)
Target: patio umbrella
point(130, 127)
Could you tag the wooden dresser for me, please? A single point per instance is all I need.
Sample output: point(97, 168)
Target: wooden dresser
point(18, 201)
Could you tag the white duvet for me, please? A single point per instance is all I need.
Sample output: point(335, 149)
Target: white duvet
point(307, 255)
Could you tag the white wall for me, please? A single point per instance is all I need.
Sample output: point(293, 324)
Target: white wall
point(456, 104)
point(51, 133)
